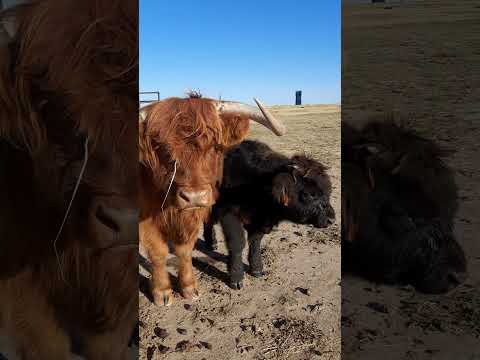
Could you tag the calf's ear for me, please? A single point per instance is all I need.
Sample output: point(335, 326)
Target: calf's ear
point(146, 151)
point(282, 184)
point(371, 174)
point(284, 197)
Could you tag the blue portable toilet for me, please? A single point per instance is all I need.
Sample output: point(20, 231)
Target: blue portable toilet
point(298, 98)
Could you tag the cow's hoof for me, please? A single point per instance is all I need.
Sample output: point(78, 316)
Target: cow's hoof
point(163, 297)
point(236, 285)
point(190, 293)
point(256, 273)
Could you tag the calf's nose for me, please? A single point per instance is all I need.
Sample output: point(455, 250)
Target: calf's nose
point(123, 221)
point(195, 198)
point(457, 277)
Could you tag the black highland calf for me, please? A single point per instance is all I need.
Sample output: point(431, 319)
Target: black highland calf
point(260, 189)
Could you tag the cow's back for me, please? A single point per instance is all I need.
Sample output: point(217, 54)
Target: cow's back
point(246, 163)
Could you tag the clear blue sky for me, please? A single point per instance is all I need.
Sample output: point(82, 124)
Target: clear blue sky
point(242, 49)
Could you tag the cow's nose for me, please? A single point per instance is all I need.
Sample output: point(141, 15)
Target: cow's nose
point(123, 221)
point(195, 198)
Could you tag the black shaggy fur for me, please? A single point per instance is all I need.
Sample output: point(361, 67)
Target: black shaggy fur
point(398, 203)
point(260, 189)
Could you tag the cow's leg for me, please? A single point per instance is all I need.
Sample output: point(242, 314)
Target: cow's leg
point(255, 254)
point(157, 249)
point(209, 235)
point(113, 345)
point(161, 286)
point(186, 277)
point(235, 238)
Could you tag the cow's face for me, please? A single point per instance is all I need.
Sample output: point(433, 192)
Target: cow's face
point(441, 263)
point(194, 172)
point(184, 144)
point(103, 210)
point(303, 190)
point(58, 104)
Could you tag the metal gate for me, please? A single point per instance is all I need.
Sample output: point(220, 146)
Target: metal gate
point(149, 93)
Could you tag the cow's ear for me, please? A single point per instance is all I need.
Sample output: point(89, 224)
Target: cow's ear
point(371, 177)
point(235, 129)
point(284, 197)
point(280, 194)
point(282, 185)
point(146, 150)
point(374, 170)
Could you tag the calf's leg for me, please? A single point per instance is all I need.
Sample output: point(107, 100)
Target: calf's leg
point(255, 254)
point(235, 238)
point(161, 286)
point(157, 249)
point(186, 277)
point(209, 235)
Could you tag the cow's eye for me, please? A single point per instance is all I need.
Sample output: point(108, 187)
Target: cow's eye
point(319, 192)
point(313, 193)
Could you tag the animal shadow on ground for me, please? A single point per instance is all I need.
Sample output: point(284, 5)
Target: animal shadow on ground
point(200, 263)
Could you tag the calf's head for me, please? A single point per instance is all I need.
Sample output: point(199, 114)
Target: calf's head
point(303, 189)
point(182, 144)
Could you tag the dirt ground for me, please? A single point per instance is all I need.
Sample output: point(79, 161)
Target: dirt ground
point(421, 60)
point(293, 312)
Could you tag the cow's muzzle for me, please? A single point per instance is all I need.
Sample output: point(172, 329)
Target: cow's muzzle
point(122, 222)
point(190, 199)
point(325, 218)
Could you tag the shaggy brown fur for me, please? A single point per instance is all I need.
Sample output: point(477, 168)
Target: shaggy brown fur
point(65, 79)
point(190, 132)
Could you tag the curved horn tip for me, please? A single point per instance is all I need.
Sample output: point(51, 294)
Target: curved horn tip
point(280, 130)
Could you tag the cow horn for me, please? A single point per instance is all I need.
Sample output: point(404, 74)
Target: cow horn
point(260, 115)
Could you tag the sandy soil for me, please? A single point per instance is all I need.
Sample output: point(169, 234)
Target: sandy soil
point(422, 61)
point(291, 313)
